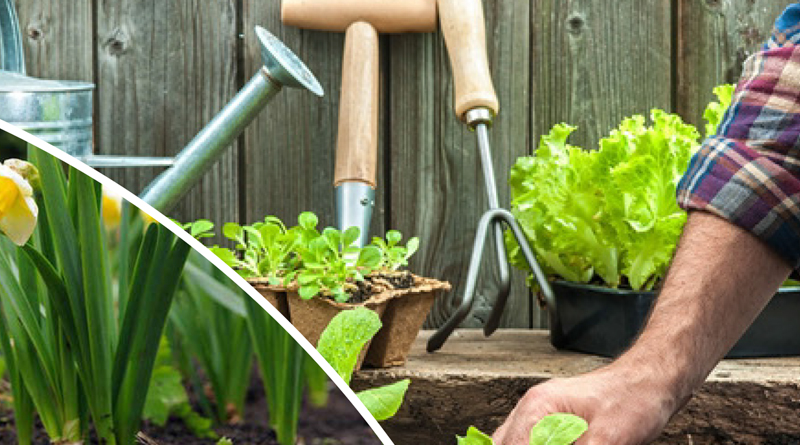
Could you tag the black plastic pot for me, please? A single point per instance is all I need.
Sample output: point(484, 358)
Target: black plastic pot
point(604, 321)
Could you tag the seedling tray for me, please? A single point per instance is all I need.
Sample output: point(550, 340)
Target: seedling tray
point(603, 321)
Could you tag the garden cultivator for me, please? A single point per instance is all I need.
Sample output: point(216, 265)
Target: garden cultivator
point(476, 105)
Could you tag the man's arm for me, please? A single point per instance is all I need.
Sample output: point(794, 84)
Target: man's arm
point(721, 278)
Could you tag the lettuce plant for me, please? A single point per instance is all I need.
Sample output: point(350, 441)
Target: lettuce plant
point(395, 256)
point(609, 213)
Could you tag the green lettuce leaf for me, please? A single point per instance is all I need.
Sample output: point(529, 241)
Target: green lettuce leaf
point(344, 337)
point(474, 437)
point(383, 402)
point(609, 213)
point(558, 429)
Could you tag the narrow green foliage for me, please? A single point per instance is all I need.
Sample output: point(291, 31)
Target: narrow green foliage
point(77, 359)
point(281, 362)
point(317, 382)
point(210, 328)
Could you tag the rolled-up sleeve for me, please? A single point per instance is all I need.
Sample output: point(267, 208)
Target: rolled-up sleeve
point(749, 172)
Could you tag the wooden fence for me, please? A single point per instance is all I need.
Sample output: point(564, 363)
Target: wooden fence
point(163, 68)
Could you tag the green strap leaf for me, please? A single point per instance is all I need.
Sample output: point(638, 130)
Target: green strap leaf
point(383, 402)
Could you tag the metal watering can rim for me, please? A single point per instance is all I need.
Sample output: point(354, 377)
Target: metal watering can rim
point(11, 82)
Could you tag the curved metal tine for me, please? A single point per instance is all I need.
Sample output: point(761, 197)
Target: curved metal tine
point(504, 281)
point(465, 306)
point(530, 258)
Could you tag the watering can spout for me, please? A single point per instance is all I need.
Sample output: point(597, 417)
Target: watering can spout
point(281, 69)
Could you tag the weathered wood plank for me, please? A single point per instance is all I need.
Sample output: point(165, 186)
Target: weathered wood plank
point(437, 185)
point(164, 70)
point(596, 62)
point(290, 149)
point(57, 38)
point(714, 38)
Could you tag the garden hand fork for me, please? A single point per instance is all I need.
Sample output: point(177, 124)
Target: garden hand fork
point(476, 105)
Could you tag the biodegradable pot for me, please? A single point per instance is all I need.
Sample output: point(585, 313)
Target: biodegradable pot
point(404, 316)
point(603, 321)
point(275, 295)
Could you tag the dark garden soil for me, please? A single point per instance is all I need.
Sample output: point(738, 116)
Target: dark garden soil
point(376, 283)
point(338, 423)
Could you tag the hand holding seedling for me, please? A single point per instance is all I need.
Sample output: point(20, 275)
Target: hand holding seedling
point(699, 315)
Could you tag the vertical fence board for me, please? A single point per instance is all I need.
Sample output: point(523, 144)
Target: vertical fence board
point(57, 38)
point(714, 38)
point(437, 184)
point(164, 70)
point(597, 62)
point(290, 148)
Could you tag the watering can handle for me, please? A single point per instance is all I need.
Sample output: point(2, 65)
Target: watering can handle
point(12, 57)
point(465, 35)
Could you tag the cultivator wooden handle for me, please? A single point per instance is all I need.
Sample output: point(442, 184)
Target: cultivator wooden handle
point(357, 142)
point(465, 35)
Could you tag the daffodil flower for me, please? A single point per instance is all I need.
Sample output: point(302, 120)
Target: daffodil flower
point(111, 208)
point(18, 210)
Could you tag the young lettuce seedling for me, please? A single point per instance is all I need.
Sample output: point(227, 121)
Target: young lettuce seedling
point(555, 429)
point(395, 256)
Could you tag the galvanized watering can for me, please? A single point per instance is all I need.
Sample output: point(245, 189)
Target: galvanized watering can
point(60, 112)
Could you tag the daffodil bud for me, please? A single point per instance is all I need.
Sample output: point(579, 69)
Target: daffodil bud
point(18, 210)
point(111, 210)
point(28, 171)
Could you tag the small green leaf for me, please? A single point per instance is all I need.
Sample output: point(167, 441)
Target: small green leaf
point(344, 337)
point(232, 231)
point(383, 402)
point(474, 437)
point(350, 236)
point(308, 292)
point(224, 441)
point(369, 258)
point(393, 237)
point(412, 247)
point(308, 220)
point(558, 429)
point(225, 255)
point(200, 227)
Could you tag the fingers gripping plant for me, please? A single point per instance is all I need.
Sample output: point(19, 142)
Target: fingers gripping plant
point(78, 358)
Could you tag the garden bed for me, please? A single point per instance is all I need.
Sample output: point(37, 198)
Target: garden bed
point(338, 423)
point(745, 401)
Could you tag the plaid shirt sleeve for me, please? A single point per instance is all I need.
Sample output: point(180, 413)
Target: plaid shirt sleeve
point(749, 172)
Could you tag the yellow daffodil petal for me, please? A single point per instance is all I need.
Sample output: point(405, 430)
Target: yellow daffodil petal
point(147, 219)
point(19, 221)
point(112, 208)
point(9, 192)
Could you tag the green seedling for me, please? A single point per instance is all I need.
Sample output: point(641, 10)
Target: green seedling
point(341, 343)
point(394, 255)
point(554, 429)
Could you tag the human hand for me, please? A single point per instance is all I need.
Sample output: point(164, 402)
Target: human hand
point(622, 407)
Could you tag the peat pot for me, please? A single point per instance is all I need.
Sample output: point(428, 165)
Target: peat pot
point(604, 321)
point(402, 312)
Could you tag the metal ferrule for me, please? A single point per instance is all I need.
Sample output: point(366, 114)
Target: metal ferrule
point(354, 203)
point(477, 116)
